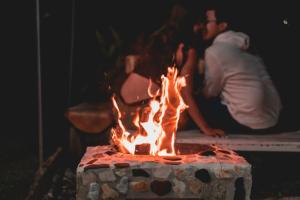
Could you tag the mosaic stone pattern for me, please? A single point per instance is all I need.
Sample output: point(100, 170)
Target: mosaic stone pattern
point(207, 173)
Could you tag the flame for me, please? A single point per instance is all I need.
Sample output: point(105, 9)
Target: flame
point(158, 123)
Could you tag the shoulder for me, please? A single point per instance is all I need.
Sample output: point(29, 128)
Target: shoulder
point(220, 51)
point(191, 56)
point(191, 52)
point(211, 51)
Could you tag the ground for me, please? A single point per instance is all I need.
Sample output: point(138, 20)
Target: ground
point(275, 175)
point(17, 168)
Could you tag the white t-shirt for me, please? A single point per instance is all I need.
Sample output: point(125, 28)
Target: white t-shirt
point(241, 80)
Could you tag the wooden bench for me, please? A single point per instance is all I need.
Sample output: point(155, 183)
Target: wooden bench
point(89, 122)
point(281, 142)
point(92, 119)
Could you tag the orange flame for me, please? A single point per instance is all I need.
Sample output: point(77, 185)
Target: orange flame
point(157, 126)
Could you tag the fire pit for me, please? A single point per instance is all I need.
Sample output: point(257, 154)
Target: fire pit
point(148, 164)
point(199, 172)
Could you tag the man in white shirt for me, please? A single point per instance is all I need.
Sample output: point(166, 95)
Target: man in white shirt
point(237, 77)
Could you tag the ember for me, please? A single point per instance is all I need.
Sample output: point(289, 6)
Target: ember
point(156, 128)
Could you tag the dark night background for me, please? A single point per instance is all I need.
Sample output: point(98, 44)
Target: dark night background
point(277, 43)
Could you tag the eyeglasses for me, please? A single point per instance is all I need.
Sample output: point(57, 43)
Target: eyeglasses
point(204, 22)
point(209, 21)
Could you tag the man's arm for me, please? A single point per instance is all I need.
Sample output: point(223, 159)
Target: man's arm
point(187, 71)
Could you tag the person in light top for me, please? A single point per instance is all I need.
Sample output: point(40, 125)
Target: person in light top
point(233, 77)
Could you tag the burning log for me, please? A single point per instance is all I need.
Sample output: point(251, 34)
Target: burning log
point(142, 149)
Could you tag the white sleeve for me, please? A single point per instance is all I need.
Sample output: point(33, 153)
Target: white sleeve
point(213, 82)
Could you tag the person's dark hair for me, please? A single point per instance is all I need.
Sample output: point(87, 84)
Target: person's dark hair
point(222, 13)
point(225, 12)
point(181, 21)
point(177, 15)
point(163, 43)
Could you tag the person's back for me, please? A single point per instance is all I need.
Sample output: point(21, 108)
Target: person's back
point(242, 81)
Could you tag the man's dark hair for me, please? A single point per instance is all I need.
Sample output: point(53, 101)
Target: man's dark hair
point(225, 12)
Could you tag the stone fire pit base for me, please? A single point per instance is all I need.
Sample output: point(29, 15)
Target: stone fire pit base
point(200, 172)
